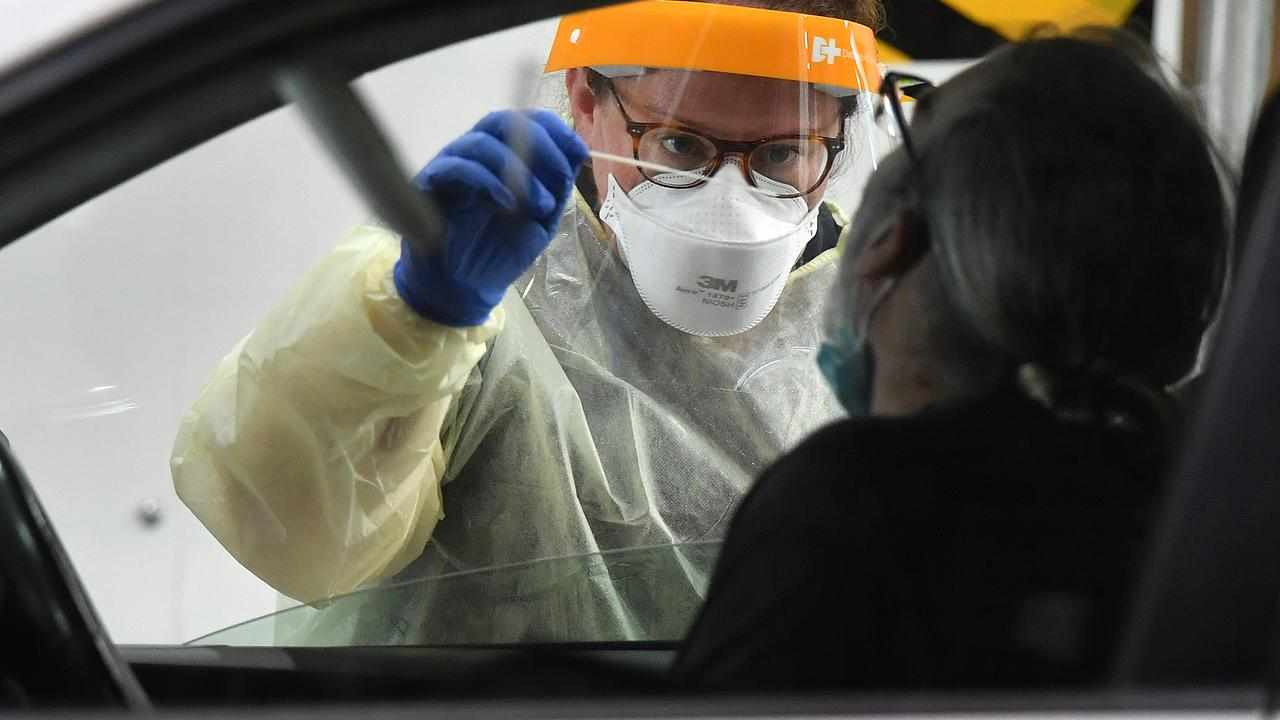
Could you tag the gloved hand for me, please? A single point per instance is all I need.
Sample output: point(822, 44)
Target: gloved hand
point(501, 188)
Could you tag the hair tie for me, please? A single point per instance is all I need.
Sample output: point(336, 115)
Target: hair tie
point(1092, 395)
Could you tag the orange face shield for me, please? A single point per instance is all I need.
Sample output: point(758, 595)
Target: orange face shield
point(836, 57)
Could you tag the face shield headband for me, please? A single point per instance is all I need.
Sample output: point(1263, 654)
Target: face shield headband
point(836, 57)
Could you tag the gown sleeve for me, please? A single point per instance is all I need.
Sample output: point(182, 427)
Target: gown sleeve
point(314, 452)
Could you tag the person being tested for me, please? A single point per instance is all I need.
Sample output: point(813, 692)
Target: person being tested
point(1026, 278)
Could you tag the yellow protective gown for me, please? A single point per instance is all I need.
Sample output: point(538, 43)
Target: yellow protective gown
point(346, 432)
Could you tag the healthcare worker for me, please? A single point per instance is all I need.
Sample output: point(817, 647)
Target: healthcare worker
point(575, 372)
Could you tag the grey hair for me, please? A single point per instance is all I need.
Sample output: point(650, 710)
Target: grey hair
point(1075, 218)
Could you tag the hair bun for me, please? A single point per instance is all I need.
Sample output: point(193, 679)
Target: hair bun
point(1095, 395)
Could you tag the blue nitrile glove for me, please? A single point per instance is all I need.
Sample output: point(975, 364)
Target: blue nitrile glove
point(500, 212)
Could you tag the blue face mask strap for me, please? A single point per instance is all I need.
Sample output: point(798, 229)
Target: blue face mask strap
point(877, 299)
point(848, 364)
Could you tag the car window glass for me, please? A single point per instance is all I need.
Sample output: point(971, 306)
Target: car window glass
point(379, 616)
point(228, 324)
point(121, 308)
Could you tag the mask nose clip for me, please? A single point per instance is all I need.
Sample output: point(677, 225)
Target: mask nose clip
point(735, 158)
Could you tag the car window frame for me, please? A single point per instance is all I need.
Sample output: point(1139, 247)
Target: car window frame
point(168, 76)
point(215, 65)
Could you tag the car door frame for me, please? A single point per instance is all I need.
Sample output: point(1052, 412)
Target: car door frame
point(166, 76)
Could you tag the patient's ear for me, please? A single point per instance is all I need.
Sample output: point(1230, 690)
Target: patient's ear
point(899, 246)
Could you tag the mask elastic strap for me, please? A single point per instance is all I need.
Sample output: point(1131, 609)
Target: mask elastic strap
point(877, 299)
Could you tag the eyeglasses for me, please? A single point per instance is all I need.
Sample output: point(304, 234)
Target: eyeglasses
point(892, 87)
point(783, 166)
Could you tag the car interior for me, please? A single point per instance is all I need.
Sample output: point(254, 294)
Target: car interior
point(1203, 632)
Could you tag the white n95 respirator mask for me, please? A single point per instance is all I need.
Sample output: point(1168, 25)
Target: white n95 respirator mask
point(710, 260)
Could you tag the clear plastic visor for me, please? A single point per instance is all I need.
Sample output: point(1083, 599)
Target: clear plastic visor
point(689, 129)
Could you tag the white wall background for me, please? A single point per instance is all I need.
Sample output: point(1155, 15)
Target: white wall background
point(31, 25)
point(120, 308)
